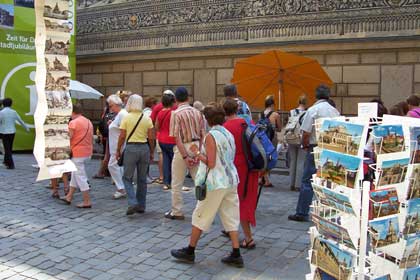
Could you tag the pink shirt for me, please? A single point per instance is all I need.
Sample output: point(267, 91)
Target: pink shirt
point(415, 113)
point(81, 142)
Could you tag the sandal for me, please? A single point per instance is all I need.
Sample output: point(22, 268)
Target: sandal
point(64, 199)
point(268, 186)
point(225, 233)
point(248, 245)
point(158, 181)
point(84, 206)
point(55, 195)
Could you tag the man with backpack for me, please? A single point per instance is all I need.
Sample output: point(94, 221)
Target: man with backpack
point(244, 112)
point(293, 139)
point(321, 109)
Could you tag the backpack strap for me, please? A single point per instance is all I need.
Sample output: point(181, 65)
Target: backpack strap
point(245, 148)
point(269, 114)
point(301, 117)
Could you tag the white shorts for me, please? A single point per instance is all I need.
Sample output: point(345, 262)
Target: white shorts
point(224, 201)
point(79, 178)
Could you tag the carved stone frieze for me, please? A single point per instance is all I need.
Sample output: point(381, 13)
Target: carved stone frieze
point(107, 25)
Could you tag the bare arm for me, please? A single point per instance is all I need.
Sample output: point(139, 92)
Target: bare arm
point(151, 139)
point(181, 147)
point(278, 122)
point(21, 122)
point(305, 139)
point(121, 140)
point(71, 132)
point(210, 158)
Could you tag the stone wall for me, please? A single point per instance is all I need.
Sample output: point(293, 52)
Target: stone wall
point(360, 70)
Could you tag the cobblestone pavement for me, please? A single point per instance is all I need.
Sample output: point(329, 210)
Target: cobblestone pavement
point(43, 239)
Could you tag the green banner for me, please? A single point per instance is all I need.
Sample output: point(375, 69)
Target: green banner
point(18, 62)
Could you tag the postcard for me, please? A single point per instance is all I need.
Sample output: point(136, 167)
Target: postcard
point(383, 203)
point(414, 183)
point(57, 153)
point(412, 274)
point(334, 200)
point(415, 144)
point(412, 221)
point(59, 9)
point(332, 231)
point(7, 16)
point(331, 259)
point(411, 256)
point(385, 277)
point(393, 171)
point(338, 168)
point(384, 232)
point(322, 275)
point(388, 139)
point(340, 136)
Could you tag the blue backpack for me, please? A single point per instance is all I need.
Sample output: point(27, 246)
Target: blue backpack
point(258, 149)
point(270, 128)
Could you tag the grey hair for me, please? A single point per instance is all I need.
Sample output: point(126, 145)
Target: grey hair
point(114, 99)
point(134, 103)
point(198, 105)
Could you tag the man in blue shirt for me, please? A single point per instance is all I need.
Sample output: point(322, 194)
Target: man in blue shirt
point(8, 118)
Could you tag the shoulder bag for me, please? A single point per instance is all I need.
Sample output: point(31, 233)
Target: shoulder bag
point(201, 190)
point(121, 159)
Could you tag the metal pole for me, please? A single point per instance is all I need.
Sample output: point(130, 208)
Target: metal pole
point(364, 219)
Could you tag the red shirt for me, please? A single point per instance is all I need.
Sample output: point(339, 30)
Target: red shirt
point(164, 120)
point(155, 111)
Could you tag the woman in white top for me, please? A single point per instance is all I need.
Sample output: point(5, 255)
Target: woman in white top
point(116, 171)
point(8, 119)
point(296, 155)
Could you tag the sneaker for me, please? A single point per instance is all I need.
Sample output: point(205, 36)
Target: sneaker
point(233, 261)
point(170, 216)
point(131, 210)
point(185, 189)
point(149, 180)
point(118, 195)
point(297, 218)
point(166, 187)
point(183, 255)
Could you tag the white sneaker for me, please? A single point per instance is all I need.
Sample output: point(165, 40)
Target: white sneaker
point(149, 180)
point(185, 189)
point(118, 195)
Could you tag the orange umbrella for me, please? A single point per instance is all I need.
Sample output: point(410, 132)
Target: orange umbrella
point(284, 75)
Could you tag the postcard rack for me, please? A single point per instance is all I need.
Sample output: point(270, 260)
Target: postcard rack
point(367, 207)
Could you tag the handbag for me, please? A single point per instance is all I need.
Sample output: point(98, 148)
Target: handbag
point(201, 190)
point(121, 159)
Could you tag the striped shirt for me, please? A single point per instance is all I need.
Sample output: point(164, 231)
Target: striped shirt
point(187, 123)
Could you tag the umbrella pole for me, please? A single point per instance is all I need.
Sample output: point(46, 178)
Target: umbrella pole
point(280, 88)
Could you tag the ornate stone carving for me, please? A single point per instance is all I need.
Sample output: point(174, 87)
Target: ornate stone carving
point(174, 23)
